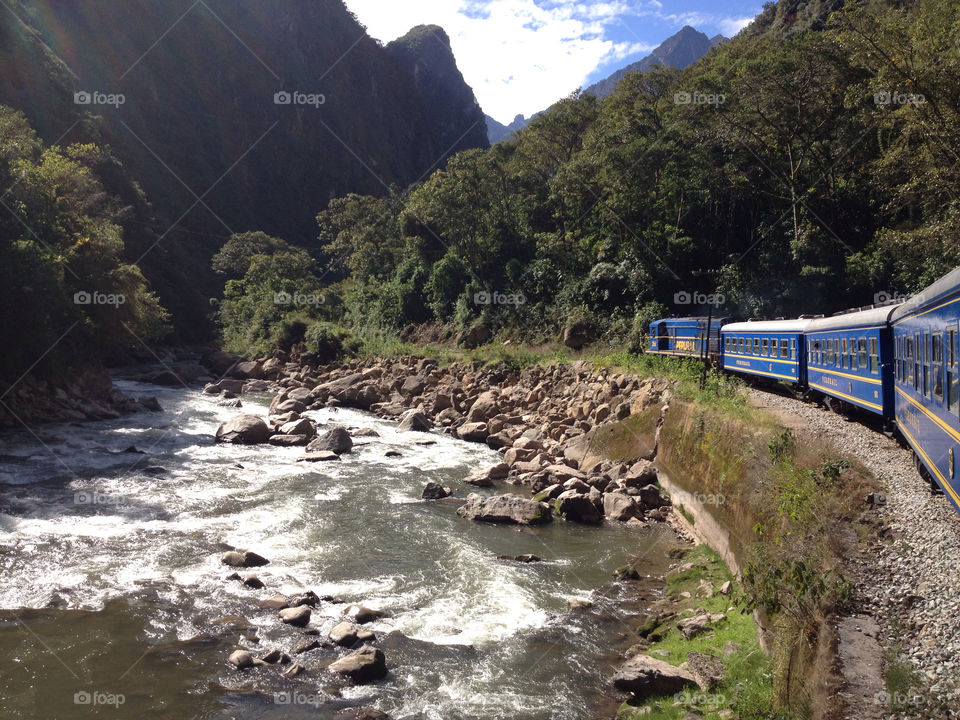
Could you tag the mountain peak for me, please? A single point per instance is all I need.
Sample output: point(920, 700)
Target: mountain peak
point(679, 51)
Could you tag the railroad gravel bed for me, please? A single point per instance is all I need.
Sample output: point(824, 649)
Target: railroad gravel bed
point(912, 587)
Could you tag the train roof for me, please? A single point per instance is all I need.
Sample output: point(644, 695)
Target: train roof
point(859, 318)
point(776, 326)
point(695, 318)
point(941, 288)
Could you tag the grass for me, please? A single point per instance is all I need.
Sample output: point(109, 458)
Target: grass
point(746, 689)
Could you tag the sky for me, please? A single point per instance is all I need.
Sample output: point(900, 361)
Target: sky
point(521, 56)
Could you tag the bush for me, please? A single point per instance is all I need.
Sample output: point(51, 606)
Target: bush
point(329, 342)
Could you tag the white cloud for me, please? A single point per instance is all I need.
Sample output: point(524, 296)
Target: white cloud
point(519, 57)
point(731, 26)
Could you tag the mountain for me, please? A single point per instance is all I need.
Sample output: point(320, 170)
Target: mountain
point(455, 117)
point(497, 131)
point(679, 51)
point(233, 115)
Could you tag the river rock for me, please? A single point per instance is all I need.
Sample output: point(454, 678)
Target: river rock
point(244, 430)
point(647, 677)
point(698, 624)
point(364, 665)
point(435, 491)
point(295, 670)
point(473, 432)
point(414, 420)
point(363, 713)
point(525, 558)
point(322, 456)
point(361, 614)
point(344, 634)
point(296, 616)
point(336, 440)
point(505, 509)
point(289, 440)
point(252, 581)
point(620, 508)
point(300, 426)
point(483, 408)
point(243, 558)
point(241, 659)
point(275, 657)
point(577, 507)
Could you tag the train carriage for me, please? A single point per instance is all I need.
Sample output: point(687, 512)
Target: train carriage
point(927, 393)
point(767, 348)
point(685, 337)
point(850, 359)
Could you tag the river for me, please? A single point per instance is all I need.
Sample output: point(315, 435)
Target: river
point(114, 604)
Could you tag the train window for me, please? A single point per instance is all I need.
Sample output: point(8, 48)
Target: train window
point(953, 386)
point(784, 348)
point(925, 369)
point(917, 359)
point(764, 347)
point(793, 348)
point(843, 352)
point(936, 365)
point(874, 357)
point(756, 346)
point(862, 353)
point(831, 352)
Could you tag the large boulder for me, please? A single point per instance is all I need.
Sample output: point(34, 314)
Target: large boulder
point(244, 430)
point(577, 507)
point(344, 634)
point(505, 509)
point(301, 426)
point(364, 665)
point(414, 420)
point(337, 441)
point(473, 432)
point(353, 390)
point(648, 677)
point(620, 507)
point(483, 408)
point(579, 333)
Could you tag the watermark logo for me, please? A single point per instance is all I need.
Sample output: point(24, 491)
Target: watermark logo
point(885, 298)
point(898, 699)
point(85, 97)
point(99, 699)
point(83, 297)
point(496, 298)
point(295, 97)
point(298, 299)
point(888, 98)
point(95, 497)
point(697, 298)
point(698, 98)
point(700, 699)
point(686, 498)
point(297, 698)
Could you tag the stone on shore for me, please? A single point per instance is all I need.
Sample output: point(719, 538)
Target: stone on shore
point(414, 420)
point(647, 677)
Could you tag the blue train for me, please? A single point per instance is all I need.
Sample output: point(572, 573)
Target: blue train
point(899, 361)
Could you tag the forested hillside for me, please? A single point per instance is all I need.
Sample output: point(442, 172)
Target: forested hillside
point(809, 165)
point(228, 116)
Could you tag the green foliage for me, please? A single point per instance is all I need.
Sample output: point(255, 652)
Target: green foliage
point(70, 296)
point(782, 446)
point(329, 342)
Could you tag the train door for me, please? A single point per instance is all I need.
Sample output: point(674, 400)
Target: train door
point(663, 341)
point(950, 362)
